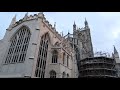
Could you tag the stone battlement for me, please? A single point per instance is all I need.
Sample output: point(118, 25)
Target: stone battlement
point(33, 17)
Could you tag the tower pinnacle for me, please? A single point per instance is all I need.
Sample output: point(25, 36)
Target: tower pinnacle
point(86, 23)
point(74, 26)
point(13, 21)
point(74, 23)
point(55, 25)
point(115, 51)
point(26, 16)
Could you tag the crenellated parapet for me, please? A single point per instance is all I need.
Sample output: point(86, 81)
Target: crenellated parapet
point(40, 15)
point(15, 23)
point(52, 28)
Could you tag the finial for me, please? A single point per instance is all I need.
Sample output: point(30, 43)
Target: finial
point(74, 23)
point(115, 51)
point(62, 33)
point(26, 16)
point(68, 32)
point(55, 25)
point(13, 21)
point(86, 23)
point(85, 19)
point(74, 26)
point(15, 16)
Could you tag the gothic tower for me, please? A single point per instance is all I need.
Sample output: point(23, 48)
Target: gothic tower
point(74, 27)
point(87, 42)
point(84, 36)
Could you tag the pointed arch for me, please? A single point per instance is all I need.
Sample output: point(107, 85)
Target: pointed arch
point(18, 46)
point(42, 56)
point(54, 56)
point(67, 75)
point(48, 35)
point(23, 26)
point(77, 52)
point(52, 74)
point(63, 75)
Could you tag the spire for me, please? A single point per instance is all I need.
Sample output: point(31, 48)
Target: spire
point(115, 51)
point(55, 25)
point(26, 16)
point(74, 23)
point(68, 33)
point(116, 55)
point(13, 21)
point(74, 26)
point(86, 23)
point(62, 33)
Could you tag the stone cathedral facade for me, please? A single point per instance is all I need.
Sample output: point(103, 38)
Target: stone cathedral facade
point(33, 48)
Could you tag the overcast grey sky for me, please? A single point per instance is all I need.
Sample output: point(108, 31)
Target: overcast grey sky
point(105, 26)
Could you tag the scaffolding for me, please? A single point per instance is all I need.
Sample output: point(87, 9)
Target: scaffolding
point(100, 67)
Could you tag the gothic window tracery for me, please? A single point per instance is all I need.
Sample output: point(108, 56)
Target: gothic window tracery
point(52, 74)
point(55, 56)
point(42, 56)
point(18, 47)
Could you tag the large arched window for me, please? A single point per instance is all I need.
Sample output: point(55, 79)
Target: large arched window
point(42, 56)
point(52, 74)
point(54, 56)
point(18, 47)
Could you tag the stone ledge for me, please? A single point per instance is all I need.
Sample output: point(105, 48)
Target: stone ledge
point(31, 57)
point(34, 43)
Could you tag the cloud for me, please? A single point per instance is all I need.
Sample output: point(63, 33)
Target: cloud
point(106, 31)
point(114, 30)
point(111, 23)
point(105, 26)
point(108, 14)
point(116, 33)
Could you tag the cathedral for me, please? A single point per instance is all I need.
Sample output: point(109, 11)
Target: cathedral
point(33, 48)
